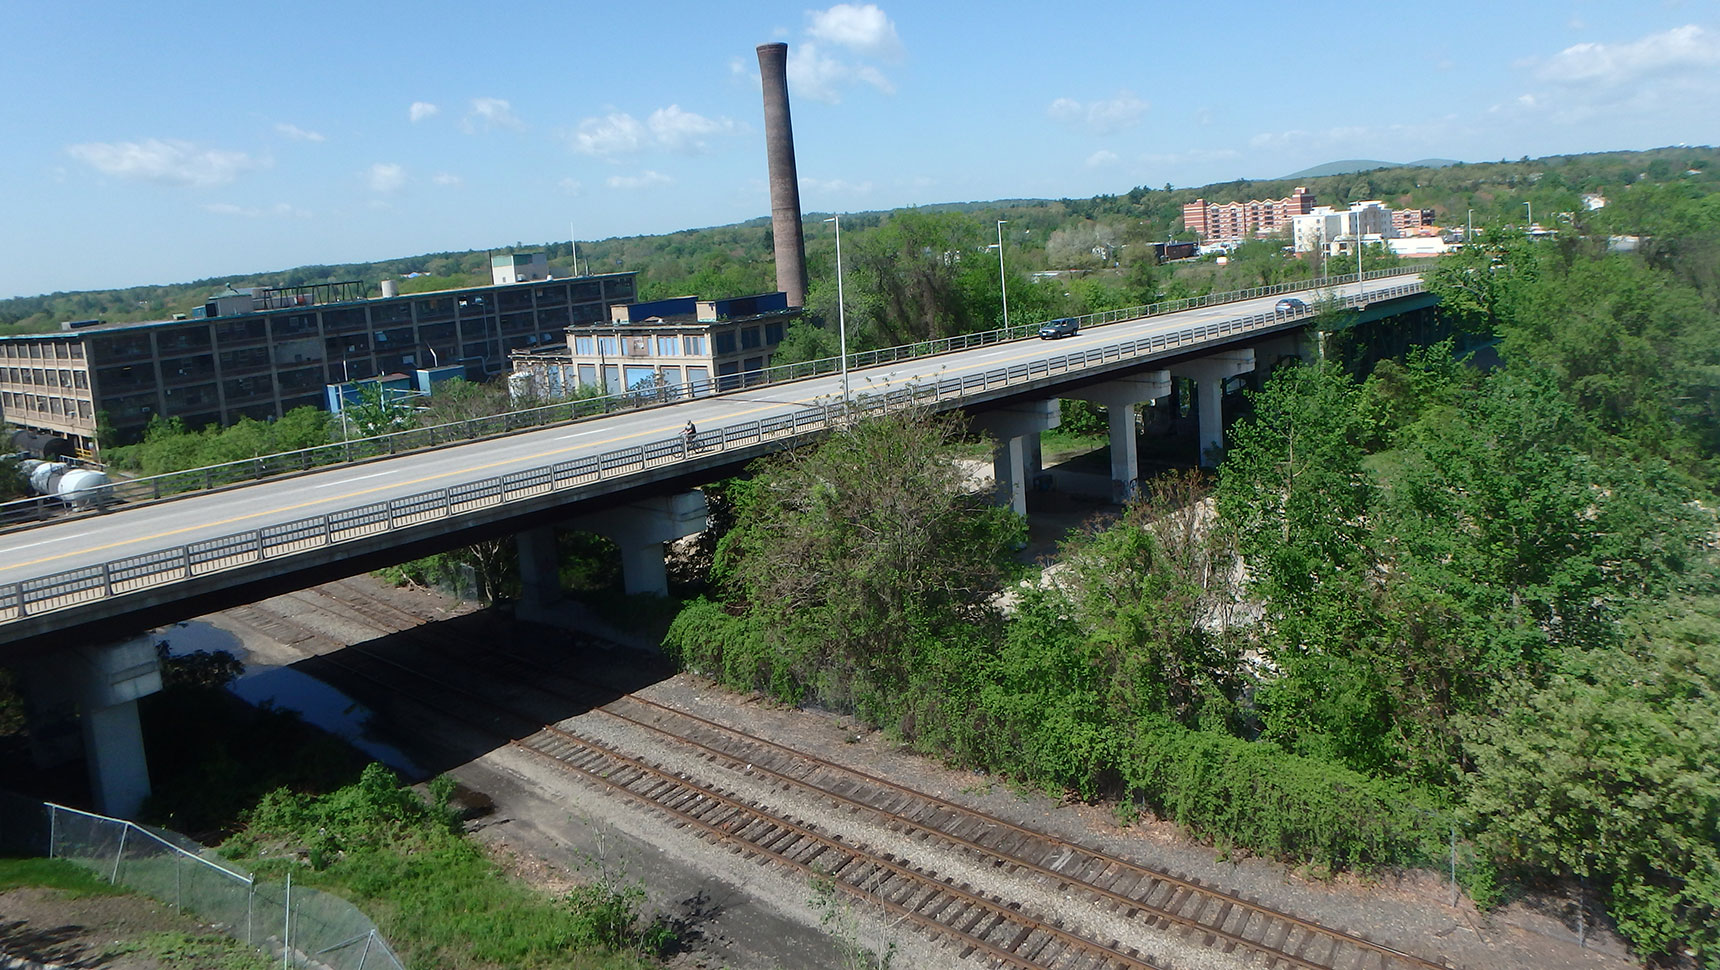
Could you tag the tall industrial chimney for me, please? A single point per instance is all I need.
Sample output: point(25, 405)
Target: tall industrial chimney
point(784, 183)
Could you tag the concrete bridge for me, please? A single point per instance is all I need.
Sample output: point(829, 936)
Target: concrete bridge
point(97, 580)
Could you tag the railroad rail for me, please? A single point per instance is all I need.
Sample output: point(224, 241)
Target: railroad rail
point(1199, 915)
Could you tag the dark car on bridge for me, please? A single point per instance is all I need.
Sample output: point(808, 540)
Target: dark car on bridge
point(1066, 327)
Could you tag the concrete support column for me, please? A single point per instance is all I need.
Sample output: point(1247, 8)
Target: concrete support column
point(1010, 426)
point(101, 685)
point(1119, 398)
point(1209, 373)
point(641, 528)
point(540, 567)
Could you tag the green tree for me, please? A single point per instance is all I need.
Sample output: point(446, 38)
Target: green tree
point(848, 562)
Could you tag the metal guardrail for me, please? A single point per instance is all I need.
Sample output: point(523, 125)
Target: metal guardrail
point(210, 477)
point(66, 589)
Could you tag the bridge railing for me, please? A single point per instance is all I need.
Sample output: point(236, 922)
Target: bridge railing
point(72, 587)
point(155, 487)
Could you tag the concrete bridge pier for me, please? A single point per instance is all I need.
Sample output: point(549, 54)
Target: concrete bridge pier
point(1119, 398)
point(1209, 374)
point(1013, 427)
point(641, 528)
point(103, 684)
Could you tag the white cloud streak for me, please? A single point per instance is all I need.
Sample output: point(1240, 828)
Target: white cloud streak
point(643, 180)
point(299, 134)
point(165, 161)
point(386, 177)
point(488, 114)
point(668, 129)
point(1099, 117)
point(421, 110)
point(1677, 51)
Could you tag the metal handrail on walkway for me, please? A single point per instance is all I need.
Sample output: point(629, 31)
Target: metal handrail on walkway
point(66, 589)
point(155, 487)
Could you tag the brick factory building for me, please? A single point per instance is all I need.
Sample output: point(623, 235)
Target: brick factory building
point(1237, 221)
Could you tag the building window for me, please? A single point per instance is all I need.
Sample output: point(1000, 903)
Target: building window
point(609, 346)
point(668, 347)
point(773, 333)
point(695, 346)
point(749, 338)
point(584, 346)
point(725, 342)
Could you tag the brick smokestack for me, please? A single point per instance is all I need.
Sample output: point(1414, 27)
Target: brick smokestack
point(784, 182)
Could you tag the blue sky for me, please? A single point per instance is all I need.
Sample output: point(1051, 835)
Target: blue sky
point(175, 140)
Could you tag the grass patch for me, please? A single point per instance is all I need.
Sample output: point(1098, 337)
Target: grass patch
point(434, 894)
point(73, 880)
point(194, 952)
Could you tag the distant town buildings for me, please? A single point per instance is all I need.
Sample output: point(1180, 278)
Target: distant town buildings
point(1216, 222)
point(679, 347)
point(262, 352)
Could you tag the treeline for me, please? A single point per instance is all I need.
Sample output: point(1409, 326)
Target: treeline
point(1422, 598)
point(1107, 232)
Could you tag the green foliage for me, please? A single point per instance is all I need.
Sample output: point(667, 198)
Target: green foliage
point(12, 483)
point(377, 411)
point(12, 719)
point(169, 446)
point(71, 880)
point(436, 896)
point(850, 560)
point(1606, 772)
point(197, 670)
point(193, 952)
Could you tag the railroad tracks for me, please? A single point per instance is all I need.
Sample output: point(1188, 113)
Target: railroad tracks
point(1165, 919)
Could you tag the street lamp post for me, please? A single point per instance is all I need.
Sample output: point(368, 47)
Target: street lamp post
point(1531, 207)
point(841, 312)
point(1002, 281)
point(1469, 231)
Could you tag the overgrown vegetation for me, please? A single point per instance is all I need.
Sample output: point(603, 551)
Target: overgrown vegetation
point(438, 899)
point(1420, 598)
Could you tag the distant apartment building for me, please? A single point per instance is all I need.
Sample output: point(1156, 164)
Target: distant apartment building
point(678, 347)
point(261, 353)
point(1407, 222)
point(1334, 230)
point(1237, 221)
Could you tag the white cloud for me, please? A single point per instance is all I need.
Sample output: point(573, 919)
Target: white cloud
point(447, 178)
point(684, 131)
point(1099, 117)
point(421, 110)
point(1101, 158)
point(490, 113)
point(643, 180)
point(279, 210)
point(814, 186)
point(814, 74)
point(299, 134)
point(166, 161)
point(1677, 51)
point(670, 129)
point(862, 29)
point(386, 177)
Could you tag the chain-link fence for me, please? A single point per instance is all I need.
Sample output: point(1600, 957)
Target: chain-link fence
point(303, 927)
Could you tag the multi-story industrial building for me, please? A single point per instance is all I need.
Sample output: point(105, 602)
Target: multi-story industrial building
point(680, 346)
point(263, 352)
point(1236, 221)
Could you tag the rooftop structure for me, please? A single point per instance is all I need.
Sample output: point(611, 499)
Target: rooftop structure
point(261, 353)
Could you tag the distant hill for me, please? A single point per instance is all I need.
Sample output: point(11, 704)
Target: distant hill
point(1349, 165)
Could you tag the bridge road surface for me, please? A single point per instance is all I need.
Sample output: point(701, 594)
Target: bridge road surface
point(91, 540)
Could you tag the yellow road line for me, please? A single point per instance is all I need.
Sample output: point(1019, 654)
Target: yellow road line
point(884, 382)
